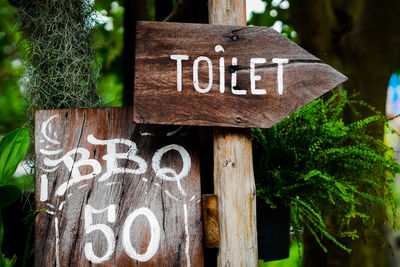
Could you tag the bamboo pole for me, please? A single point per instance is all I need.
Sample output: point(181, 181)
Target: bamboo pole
point(233, 169)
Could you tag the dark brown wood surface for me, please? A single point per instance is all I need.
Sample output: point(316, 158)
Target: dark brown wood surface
point(157, 100)
point(69, 224)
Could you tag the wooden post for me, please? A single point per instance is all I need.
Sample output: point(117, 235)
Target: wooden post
point(233, 169)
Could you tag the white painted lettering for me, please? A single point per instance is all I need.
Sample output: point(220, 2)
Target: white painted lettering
point(179, 59)
point(196, 74)
point(233, 80)
point(154, 232)
point(73, 167)
point(254, 78)
point(219, 48)
point(280, 62)
point(44, 127)
point(105, 229)
point(187, 244)
point(43, 187)
point(112, 156)
point(162, 172)
point(57, 242)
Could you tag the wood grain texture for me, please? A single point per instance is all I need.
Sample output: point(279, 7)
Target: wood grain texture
point(158, 101)
point(70, 129)
point(235, 187)
point(210, 220)
point(227, 12)
point(233, 171)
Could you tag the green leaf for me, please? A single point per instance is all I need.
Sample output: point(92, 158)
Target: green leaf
point(24, 183)
point(13, 148)
point(8, 262)
point(8, 195)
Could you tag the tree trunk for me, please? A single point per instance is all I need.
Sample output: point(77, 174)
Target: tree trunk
point(357, 37)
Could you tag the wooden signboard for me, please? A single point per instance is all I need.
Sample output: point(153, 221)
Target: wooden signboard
point(215, 75)
point(115, 193)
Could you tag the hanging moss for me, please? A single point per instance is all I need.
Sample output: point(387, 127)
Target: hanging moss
point(61, 67)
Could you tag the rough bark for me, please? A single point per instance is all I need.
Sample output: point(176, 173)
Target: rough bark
point(357, 37)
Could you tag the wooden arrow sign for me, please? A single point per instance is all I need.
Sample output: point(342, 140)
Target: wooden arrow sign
point(215, 75)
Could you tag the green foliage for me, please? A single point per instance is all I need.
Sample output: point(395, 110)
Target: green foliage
point(12, 105)
point(13, 148)
point(295, 256)
point(109, 48)
point(316, 162)
point(275, 12)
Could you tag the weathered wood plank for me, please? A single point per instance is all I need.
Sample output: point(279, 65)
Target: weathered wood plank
point(105, 181)
point(210, 220)
point(158, 100)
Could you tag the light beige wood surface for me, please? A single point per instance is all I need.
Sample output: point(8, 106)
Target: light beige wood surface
point(235, 187)
point(227, 12)
point(233, 170)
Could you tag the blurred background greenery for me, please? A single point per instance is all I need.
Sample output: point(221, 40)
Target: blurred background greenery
point(12, 105)
point(294, 259)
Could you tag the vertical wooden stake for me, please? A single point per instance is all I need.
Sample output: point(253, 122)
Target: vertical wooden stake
point(233, 169)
